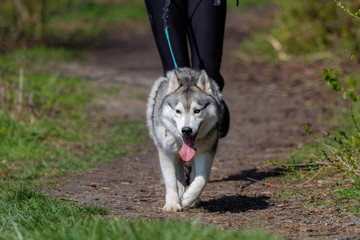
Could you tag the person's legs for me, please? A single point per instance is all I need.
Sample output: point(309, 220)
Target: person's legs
point(206, 34)
point(206, 37)
point(177, 23)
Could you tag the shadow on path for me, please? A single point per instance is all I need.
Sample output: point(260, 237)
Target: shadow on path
point(235, 204)
point(253, 174)
point(239, 203)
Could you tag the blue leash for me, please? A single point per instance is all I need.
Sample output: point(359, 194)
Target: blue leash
point(166, 29)
point(171, 51)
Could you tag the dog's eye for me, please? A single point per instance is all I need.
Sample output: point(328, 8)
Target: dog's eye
point(197, 111)
point(178, 111)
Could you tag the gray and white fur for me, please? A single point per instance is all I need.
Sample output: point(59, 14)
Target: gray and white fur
point(184, 99)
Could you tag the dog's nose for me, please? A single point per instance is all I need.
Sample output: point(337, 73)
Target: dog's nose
point(186, 131)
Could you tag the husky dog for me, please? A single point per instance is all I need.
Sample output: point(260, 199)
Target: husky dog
point(183, 114)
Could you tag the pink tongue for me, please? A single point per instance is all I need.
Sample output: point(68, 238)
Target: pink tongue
point(187, 152)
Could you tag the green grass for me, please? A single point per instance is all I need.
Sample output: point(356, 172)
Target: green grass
point(147, 230)
point(28, 214)
point(44, 149)
point(55, 134)
point(352, 196)
point(25, 210)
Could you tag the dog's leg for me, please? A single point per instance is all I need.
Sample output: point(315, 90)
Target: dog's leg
point(181, 179)
point(203, 163)
point(168, 169)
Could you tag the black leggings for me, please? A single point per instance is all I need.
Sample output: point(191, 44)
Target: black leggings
point(198, 21)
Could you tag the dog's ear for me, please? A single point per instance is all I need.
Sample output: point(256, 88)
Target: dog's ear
point(173, 83)
point(204, 83)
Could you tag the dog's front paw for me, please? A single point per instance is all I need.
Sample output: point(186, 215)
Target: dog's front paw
point(172, 207)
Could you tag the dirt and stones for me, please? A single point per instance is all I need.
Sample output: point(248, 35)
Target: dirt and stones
point(268, 105)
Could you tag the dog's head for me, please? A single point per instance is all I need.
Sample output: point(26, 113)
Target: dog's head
point(192, 104)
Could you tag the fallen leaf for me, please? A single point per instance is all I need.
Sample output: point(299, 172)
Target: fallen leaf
point(3, 172)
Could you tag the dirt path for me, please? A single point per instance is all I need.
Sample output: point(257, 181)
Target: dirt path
point(268, 105)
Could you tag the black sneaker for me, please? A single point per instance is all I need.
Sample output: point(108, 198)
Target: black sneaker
point(225, 121)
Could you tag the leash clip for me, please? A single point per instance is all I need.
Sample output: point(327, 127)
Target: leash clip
point(217, 2)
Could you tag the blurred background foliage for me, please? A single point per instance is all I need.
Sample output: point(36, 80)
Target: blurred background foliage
point(317, 26)
point(62, 22)
point(306, 30)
